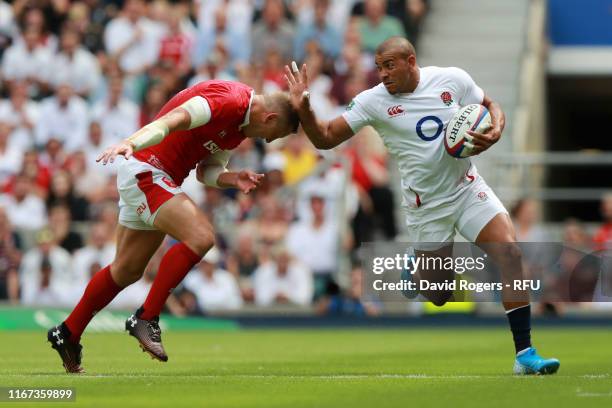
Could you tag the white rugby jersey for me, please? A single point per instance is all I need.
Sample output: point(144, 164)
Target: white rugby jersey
point(412, 128)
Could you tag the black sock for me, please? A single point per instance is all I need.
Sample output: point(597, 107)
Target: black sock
point(520, 324)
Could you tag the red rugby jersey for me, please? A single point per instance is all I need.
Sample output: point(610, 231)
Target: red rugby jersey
point(180, 151)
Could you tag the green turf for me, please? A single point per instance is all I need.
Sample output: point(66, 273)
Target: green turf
point(320, 368)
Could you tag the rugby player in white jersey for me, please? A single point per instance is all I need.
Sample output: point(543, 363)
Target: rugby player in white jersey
point(441, 194)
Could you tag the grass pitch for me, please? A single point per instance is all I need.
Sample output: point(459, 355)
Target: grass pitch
point(319, 368)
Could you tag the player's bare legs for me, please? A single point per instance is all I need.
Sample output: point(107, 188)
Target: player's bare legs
point(180, 218)
point(498, 239)
point(433, 275)
point(134, 250)
point(507, 256)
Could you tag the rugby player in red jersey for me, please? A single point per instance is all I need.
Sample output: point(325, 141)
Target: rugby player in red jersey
point(196, 129)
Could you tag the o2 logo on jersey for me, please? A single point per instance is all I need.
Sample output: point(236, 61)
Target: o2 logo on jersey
point(437, 122)
point(212, 147)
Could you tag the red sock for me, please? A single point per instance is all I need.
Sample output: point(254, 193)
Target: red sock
point(175, 264)
point(98, 293)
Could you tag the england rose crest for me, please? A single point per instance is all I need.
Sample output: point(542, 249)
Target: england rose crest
point(447, 98)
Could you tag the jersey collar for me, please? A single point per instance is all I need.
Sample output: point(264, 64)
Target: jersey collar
point(247, 115)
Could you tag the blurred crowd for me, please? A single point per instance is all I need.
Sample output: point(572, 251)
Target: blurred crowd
point(78, 76)
point(562, 260)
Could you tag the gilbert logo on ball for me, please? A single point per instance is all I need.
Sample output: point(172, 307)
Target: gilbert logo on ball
point(474, 118)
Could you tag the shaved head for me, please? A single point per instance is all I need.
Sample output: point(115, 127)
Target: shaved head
point(396, 45)
point(397, 66)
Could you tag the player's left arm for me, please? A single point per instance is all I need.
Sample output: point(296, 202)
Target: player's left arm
point(193, 113)
point(482, 141)
point(213, 172)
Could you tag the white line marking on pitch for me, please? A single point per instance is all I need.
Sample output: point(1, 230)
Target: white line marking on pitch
point(315, 377)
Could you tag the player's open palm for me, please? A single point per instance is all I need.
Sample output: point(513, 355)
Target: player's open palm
point(124, 148)
point(247, 181)
point(297, 80)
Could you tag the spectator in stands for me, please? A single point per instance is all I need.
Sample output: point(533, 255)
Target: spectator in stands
point(8, 28)
point(525, 214)
point(21, 114)
point(603, 236)
point(351, 302)
point(45, 274)
point(53, 157)
point(89, 180)
point(155, 97)
point(240, 10)
point(242, 261)
point(176, 44)
point(319, 30)
point(271, 221)
point(300, 158)
point(11, 157)
point(337, 13)
point(579, 274)
point(375, 26)
point(96, 144)
point(133, 39)
point(62, 193)
point(371, 176)
point(65, 119)
point(89, 20)
point(332, 185)
point(347, 67)
point(99, 251)
point(60, 225)
point(214, 288)
point(27, 61)
point(25, 210)
point(117, 115)
point(273, 32)
point(245, 156)
point(282, 280)
point(214, 67)
point(34, 171)
point(231, 37)
point(10, 257)
point(316, 243)
point(575, 235)
point(221, 210)
point(75, 63)
point(319, 85)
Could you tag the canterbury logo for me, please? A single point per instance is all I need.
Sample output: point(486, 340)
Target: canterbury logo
point(395, 110)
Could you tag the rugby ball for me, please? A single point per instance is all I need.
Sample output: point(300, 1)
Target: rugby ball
point(473, 117)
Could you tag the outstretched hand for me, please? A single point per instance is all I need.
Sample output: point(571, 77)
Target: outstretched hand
point(297, 80)
point(123, 148)
point(248, 181)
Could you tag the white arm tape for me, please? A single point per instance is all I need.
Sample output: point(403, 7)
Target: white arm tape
point(211, 173)
point(150, 135)
point(212, 167)
point(198, 110)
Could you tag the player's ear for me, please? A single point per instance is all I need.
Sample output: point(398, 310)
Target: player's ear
point(270, 117)
point(412, 60)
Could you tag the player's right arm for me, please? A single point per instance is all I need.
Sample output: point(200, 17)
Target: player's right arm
point(323, 134)
point(191, 114)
